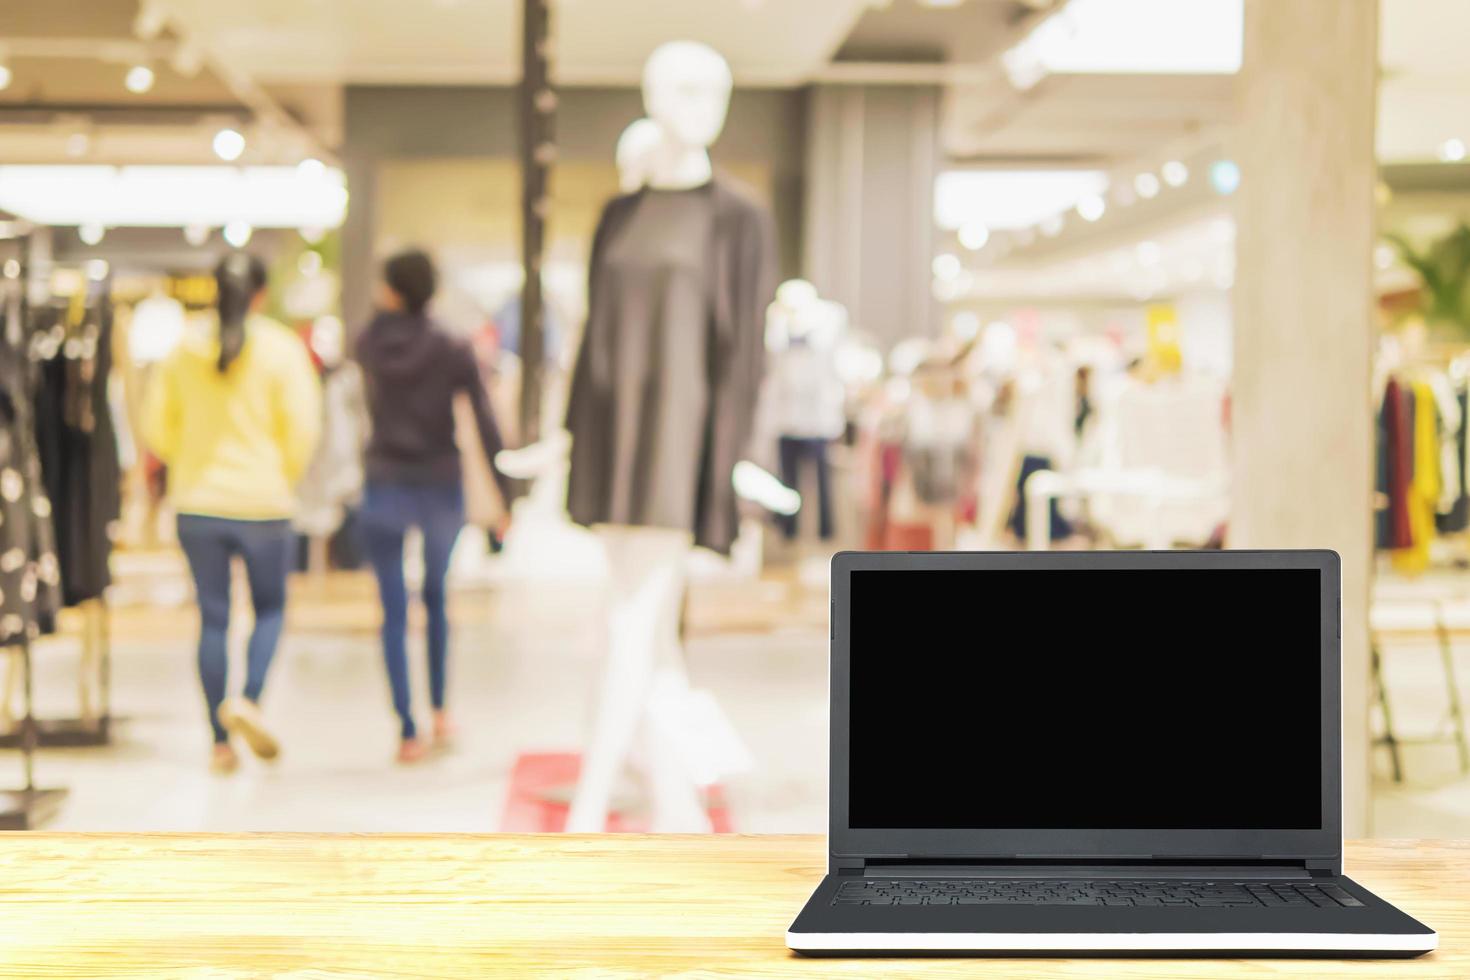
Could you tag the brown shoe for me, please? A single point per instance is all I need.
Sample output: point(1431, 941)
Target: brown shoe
point(242, 717)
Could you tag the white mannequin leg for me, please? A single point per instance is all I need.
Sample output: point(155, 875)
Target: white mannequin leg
point(647, 579)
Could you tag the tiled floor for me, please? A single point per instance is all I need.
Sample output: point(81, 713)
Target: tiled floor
point(524, 665)
point(525, 662)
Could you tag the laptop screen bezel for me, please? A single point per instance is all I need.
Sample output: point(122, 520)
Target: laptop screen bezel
point(1322, 844)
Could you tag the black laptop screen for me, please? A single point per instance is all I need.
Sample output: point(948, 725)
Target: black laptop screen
point(1086, 698)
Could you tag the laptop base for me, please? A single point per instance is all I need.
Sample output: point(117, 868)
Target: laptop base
point(1373, 930)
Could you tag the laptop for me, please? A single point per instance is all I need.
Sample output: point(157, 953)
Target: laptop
point(1090, 753)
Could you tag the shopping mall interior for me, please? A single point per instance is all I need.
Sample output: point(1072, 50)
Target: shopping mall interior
point(1020, 274)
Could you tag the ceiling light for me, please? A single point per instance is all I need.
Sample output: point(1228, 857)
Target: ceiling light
point(1225, 177)
point(228, 145)
point(1051, 226)
point(1148, 253)
point(237, 233)
point(1384, 255)
point(310, 263)
point(974, 235)
point(1175, 173)
point(5, 76)
point(1452, 150)
point(97, 269)
point(91, 233)
point(139, 79)
point(196, 234)
point(311, 168)
point(1147, 185)
point(78, 144)
point(171, 196)
point(1132, 37)
point(946, 267)
point(1009, 199)
point(940, 3)
point(1092, 207)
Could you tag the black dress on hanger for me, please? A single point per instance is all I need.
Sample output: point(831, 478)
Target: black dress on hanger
point(29, 571)
point(78, 447)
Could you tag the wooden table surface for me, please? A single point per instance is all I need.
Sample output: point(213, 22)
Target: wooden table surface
point(310, 906)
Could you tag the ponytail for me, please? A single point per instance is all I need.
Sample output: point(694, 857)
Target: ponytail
point(238, 278)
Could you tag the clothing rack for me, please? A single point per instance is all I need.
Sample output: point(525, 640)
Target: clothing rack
point(28, 807)
point(91, 726)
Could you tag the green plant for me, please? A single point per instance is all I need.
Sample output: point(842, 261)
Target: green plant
point(1444, 270)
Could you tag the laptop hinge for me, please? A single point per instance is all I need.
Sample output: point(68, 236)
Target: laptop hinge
point(847, 866)
point(1325, 868)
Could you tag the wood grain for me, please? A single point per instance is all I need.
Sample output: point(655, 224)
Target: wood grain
point(218, 906)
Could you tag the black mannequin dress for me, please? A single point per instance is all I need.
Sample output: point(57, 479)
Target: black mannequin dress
point(663, 396)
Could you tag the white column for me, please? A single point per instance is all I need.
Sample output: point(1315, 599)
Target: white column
point(1303, 423)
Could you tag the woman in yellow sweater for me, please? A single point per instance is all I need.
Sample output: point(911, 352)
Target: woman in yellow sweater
point(235, 415)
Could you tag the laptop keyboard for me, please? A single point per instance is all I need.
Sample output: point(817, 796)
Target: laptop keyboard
point(1129, 893)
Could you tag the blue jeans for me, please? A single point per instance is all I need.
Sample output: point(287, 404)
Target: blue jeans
point(388, 511)
point(265, 546)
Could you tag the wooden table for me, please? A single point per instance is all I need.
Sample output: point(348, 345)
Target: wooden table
point(103, 905)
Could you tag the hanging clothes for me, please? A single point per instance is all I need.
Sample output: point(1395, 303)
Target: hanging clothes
point(29, 572)
point(664, 393)
point(1454, 515)
point(1422, 496)
point(77, 442)
point(1395, 466)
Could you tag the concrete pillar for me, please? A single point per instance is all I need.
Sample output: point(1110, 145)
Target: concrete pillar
point(872, 156)
point(1303, 423)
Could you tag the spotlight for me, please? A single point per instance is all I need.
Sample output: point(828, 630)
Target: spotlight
point(139, 79)
point(1092, 207)
point(1147, 185)
point(1175, 173)
point(228, 145)
point(237, 234)
point(1225, 177)
point(91, 233)
point(974, 235)
point(196, 235)
point(946, 267)
point(1452, 150)
point(5, 76)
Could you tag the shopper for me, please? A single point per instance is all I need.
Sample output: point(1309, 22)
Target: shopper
point(414, 373)
point(234, 412)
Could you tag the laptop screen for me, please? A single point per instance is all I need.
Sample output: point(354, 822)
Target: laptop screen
point(1086, 698)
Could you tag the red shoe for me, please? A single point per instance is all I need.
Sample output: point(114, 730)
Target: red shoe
point(411, 750)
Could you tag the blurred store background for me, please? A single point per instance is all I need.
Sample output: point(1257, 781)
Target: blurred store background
point(1054, 274)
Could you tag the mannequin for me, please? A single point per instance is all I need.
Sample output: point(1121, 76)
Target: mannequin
point(663, 401)
point(803, 333)
point(634, 153)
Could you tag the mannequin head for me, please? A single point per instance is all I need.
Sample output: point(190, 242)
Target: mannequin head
point(686, 91)
point(635, 151)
